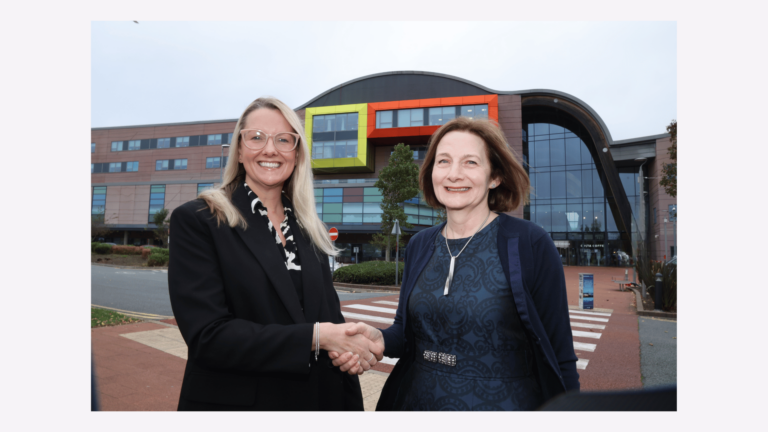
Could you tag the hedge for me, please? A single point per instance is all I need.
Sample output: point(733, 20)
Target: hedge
point(156, 260)
point(103, 249)
point(369, 273)
point(93, 246)
point(126, 250)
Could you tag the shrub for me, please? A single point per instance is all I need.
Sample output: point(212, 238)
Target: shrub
point(369, 273)
point(126, 250)
point(156, 260)
point(157, 257)
point(646, 272)
point(145, 253)
point(93, 246)
point(103, 249)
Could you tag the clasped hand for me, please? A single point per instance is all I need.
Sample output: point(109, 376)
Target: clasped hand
point(353, 347)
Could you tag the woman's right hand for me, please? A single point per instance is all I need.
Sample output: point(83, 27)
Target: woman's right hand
point(347, 362)
point(360, 352)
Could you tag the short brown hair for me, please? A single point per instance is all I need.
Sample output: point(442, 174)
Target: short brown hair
point(515, 185)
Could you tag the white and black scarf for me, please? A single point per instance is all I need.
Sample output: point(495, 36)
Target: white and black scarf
point(291, 256)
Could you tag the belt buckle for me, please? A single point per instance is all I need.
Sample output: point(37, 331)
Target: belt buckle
point(442, 358)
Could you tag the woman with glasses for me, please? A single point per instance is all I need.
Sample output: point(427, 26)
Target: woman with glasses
point(250, 285)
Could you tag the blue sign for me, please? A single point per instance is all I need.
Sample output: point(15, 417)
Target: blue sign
point(588, 291)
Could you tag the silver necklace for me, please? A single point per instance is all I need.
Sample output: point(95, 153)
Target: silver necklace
point(453, 258)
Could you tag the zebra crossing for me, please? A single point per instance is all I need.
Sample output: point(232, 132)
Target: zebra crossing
point(586, 326)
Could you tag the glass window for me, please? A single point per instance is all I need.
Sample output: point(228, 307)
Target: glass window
point(115, 167)
point(542, 185)
point(212, 162)
point(334, 192)
point(572, 151)
point(544, 217)
point(353, 208)
point(542, 153)
point(403, 118)
point(132, 166)
point(628, 181)
point(214, 139)
point(318, 192)
point(91, 168)
point(541, 129)
point(573, 216)
point(332, 208)
point(164, 143)
point(417, 117)
point(586, 183)
point(597, 187)
point(383, 119)
point(352, 219)
point(573, 184)
point(117, 146)
point(372, 208)
point(586, 157)
point(180, 164)
point(352, 148)
point(559, 218)
point(557, 185)
point(351, 121)
point(425, 220)
point(203, 186)
point(182, 141)
point(468, 111)
point(340, 149)
point(371, 218)
point(99, 200)
point(134, 145)
point(319, 208)
point(317, 124)
point(161, 165)
point(156, 200)
point(555, 129)
point(93, 147)
point(557, 152)
point(482, 110)
point(331, 218)
point(412, 220)
point(673, 212)
point(411, 209)
point(371, 191)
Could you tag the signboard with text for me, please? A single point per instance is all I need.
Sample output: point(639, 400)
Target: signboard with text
point(586, 291)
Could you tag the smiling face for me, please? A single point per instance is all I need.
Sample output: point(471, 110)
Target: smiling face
point(461, 175)
point(268, 168)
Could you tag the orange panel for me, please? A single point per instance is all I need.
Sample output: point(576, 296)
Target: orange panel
point(428, 130)
point(409, 104)
point(429, 102)
point(489, 98)
point(472, 100)
point(389, 105)
point(450, 101)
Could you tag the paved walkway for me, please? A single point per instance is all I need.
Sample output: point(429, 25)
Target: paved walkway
point(139, 367)
point(658, 351)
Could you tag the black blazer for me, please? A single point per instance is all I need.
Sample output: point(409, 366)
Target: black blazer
point(248, 339)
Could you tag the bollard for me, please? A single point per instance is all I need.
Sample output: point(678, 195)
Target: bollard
point(657, 293)
point(626, 274)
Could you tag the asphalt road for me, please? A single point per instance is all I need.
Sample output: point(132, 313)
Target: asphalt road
point(658, 351)
point(146, 291)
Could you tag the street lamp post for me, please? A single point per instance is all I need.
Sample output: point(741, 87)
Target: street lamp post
point(665, 239)
point(641, 214)
point(221, 164)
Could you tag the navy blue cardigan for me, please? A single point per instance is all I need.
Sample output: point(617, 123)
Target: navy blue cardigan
point(535, 274)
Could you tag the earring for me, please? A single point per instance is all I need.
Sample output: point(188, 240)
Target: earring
point(493, 185)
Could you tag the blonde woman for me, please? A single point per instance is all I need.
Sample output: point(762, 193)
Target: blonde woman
point(250, 285)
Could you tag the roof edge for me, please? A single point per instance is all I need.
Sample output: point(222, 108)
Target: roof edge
point(164, 124)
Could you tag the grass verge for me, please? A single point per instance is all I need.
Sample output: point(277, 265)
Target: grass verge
point(105, 317)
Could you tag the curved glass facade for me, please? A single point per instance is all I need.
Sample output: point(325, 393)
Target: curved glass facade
point(567, 197)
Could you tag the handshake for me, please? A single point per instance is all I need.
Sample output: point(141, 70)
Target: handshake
point(353, 347)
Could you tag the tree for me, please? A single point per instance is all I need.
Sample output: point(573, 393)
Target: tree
point(398, 181)
point(161, 230)
point(99, 227)
point(669, 171)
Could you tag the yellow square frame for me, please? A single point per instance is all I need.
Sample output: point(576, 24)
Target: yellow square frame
point(364, 160)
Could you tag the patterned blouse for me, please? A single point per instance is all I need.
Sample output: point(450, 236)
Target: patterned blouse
point(292, 262)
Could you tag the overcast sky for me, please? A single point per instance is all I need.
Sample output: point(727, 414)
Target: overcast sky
point(163, 72)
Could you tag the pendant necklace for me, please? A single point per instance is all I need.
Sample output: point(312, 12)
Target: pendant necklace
point(453, 258)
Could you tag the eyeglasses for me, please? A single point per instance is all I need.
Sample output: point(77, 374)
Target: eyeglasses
point(256, 139)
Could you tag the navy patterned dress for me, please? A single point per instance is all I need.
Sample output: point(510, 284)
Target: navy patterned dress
point(479, 324)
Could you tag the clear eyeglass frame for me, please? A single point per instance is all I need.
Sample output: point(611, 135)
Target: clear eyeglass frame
point(275, 141)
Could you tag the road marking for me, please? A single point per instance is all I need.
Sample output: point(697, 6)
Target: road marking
point(582, 363)
point(581, 346)
point(387, 302)
point(585, 325)
point(589, 313)
point(585, 334)
point(371, 308)
point(134, 314)
point(573, 317)
point(371, 318)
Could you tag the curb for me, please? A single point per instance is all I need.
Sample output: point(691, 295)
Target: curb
point(367, 287)
point(643, 312)
point(129, 267)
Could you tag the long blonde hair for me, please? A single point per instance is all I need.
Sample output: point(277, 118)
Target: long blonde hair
point(299, 187)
